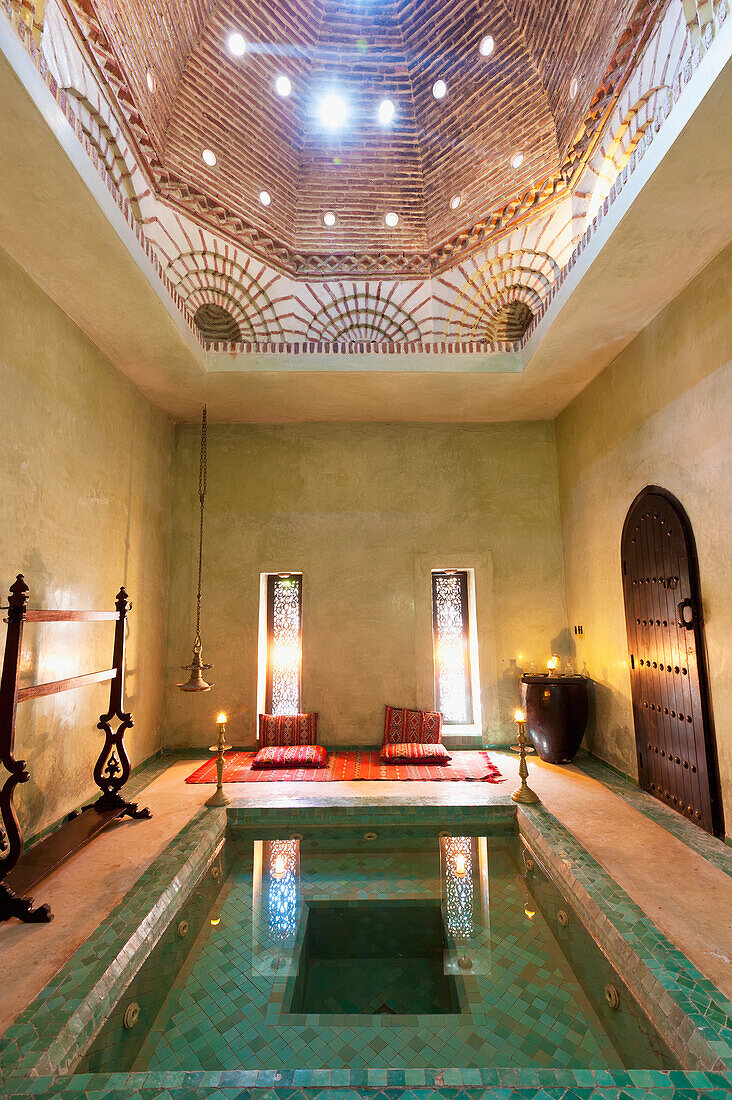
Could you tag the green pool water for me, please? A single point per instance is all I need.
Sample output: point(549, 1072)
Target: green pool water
point(345, 950)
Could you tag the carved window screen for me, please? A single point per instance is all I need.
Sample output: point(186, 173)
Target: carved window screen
point(284, 643)
point(451, 641)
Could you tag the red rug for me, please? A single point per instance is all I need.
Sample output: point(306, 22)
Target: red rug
point(348, 766)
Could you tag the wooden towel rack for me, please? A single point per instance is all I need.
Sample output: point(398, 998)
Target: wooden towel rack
point(111, 771)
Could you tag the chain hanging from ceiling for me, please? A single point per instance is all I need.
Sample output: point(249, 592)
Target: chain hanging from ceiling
point(197, 667)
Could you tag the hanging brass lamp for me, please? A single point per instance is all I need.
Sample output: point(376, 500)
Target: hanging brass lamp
point(197, 667)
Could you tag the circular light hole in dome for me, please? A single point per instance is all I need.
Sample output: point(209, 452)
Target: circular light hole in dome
point(487, 45)
point(387, 111)
point(209, 157)
point(573, 87)
point(439, 89)
point(265, 198)
point(332, 111)
point(151, 82)
point(455, 201)
point(392, 219)
point(517, 160)
point(237, 44)
point(283, 86)
point(329, 219)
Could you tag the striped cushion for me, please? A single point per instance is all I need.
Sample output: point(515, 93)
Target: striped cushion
point(288, 729)
point(411, 753)
point(291, 756)
point(403, 726)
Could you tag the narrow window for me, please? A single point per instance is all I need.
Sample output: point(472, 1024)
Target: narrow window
point(451, 639)
point(284, 651)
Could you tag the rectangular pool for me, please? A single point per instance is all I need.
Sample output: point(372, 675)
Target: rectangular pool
point(382, 948)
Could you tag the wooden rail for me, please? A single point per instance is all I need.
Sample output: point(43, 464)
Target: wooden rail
point(71, 682)
point(111, 770)
point(41, 616)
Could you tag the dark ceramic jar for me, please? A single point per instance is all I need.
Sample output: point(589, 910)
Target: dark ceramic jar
point(556, 710)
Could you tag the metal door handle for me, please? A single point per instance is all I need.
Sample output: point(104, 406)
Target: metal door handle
point(681, 619)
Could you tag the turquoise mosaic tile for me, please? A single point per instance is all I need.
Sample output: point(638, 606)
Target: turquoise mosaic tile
point(691, 1013)
point(702, 1017)
point(231, 1007)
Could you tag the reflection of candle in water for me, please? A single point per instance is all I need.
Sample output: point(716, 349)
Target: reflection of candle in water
point(279, 866)
point(460, 867)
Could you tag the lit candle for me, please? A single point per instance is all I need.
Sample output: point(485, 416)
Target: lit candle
point(552, 663)
point(519, 717)
point(460, 866)
point(219, 797)
point(529, 913)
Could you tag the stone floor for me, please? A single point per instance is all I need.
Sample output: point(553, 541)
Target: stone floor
point(686, 895)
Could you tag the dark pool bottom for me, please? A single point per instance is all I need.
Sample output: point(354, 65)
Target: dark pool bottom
point(331, 951)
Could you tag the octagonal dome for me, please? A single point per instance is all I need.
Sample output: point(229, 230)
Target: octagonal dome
point(529, 96)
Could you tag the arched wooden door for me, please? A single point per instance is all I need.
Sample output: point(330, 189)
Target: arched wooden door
point(674, 733)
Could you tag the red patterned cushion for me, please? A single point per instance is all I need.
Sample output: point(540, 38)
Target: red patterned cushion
point(291, 756)
point(413, 726)
point(403, 726)
point(431, 727)
point(288, 729)
point(394, 719)
point(411, 753)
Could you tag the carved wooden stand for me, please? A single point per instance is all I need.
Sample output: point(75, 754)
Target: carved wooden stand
point(111, 772)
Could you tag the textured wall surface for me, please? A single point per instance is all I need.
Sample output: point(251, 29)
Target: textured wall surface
point(660, 414)
point(86, 464)
point(360, 510)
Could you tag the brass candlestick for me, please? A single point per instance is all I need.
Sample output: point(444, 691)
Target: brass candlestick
point(523, 793)
point(219, 797)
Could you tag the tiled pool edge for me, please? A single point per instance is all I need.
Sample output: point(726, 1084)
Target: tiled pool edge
point(685, 1006)
point(36, 1043)
point(181, 863)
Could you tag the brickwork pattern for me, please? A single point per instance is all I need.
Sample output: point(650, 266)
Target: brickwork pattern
point(474, 292)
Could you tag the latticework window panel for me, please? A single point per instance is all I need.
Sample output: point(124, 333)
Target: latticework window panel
point(284, 632)
point(453, 688)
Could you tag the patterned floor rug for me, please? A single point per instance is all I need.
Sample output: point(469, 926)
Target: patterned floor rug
point(350, 765)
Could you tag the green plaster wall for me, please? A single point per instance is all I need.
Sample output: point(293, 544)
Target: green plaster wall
point(86, 465)
point(660, 414)
point(364, 512)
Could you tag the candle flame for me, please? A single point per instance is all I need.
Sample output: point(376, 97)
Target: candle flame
point(460, 867)
point(519, 716)
point(221, 718)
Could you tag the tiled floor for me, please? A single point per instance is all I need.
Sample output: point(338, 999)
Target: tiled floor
point(681, 891)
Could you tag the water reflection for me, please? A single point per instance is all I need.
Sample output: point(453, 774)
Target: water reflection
point(459, 889)
point(284, 874)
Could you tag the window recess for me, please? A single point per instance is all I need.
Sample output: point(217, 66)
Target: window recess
point(284, 643)
point(451, 646)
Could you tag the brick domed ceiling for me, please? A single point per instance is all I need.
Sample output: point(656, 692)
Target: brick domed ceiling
point(514, 104)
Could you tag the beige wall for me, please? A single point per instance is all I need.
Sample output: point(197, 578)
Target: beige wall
point(660, 414)
point(85, 463)
point(364, 512)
